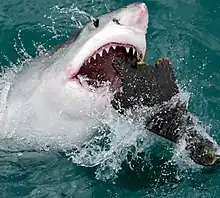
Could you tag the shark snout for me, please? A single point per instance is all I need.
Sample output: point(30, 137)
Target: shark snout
point(141, 7)
point(143, 10)
point(138, 4)
point(142, 16)
point(136, 16)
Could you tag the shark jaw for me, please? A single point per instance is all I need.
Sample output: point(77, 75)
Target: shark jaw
point(120, 33)
point(99, 69)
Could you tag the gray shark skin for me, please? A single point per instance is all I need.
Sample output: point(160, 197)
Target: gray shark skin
point(66, 93)
point(149, 85)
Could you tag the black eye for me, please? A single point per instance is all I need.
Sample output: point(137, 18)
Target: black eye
point(116, 21)
point(96, 22)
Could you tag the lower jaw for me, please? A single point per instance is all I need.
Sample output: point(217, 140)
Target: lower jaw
point(95, 85)
point(104, 90)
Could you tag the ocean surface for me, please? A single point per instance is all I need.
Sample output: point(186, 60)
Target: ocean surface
point(185, 31)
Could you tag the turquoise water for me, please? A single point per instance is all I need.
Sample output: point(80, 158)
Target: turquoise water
point(186, 31)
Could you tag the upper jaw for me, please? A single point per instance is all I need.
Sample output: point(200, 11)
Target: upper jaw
point(104, 40)
point(107, 46)
point(105, 49)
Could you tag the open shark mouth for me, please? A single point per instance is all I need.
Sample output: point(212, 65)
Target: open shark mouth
point(100, 67)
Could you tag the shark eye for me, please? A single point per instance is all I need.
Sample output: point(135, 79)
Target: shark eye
point(116, 21)
point(96, 22)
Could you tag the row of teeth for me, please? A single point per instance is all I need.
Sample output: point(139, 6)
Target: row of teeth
point(107, 50)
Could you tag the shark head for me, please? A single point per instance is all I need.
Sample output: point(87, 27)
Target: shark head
point(120, 32)
point(88, 60)
point(78, 81)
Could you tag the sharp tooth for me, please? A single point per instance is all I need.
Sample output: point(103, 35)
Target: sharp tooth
point(101, 53)
point(133, 51)
point(89, 60)
point(127, 49)
point(107, 49)
point(94, 56)
point(114, 47)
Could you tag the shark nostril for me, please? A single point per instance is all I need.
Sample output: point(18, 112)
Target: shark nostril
point(142, 13)
point(143, 10)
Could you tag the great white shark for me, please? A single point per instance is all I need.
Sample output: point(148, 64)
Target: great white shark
point(71, 88)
